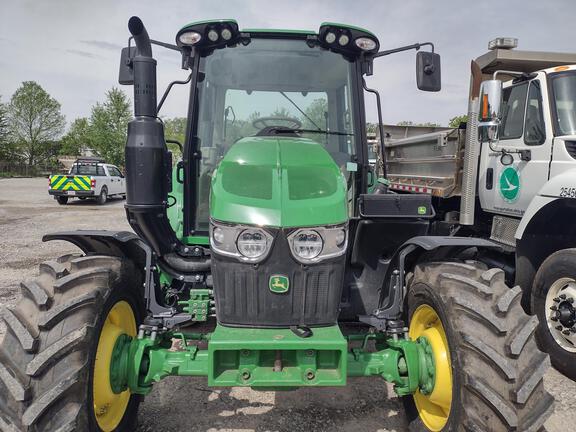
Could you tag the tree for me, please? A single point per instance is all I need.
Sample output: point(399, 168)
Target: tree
point(175, 129)
point(316, 114)
point(108, 126)
point(455, 121)
point(77, 139)
point(35, 122)
point(371, 128)
point(7, 150)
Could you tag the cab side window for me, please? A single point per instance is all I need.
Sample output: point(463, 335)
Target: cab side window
point(534, 129)
point(100, 171)
point(114, 172)
point(514, 103)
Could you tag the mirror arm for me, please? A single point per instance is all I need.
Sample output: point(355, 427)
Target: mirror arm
point(165, 45)
point(165, 95)
point(415, 46)
point(380, 126)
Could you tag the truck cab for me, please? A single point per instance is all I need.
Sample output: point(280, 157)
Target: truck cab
point(538, 123)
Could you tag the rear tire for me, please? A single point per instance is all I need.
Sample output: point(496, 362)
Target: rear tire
point(62, 200)
point(103, 197)
point(557, 276)
point(497, 369)
point(47, 356)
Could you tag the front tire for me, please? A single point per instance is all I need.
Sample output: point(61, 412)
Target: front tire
point(483, 340)
point(48, 361)
point(554, 302)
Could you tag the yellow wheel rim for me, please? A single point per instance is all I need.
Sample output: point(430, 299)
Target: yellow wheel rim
point(109, 407)
point(434, 408)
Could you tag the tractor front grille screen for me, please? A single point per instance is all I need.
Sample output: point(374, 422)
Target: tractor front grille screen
point(244, 296)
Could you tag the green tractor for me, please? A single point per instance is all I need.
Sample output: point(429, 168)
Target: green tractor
point(270, 256)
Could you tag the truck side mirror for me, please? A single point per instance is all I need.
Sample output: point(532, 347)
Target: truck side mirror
point(428, 71)
point(490, 105)
point(126, 71)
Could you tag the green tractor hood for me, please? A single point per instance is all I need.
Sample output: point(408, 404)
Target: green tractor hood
point(280, 182)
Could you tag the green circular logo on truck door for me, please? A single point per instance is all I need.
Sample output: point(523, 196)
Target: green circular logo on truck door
point(509, 184)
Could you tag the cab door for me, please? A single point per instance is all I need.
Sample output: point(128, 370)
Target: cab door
point(525, 134)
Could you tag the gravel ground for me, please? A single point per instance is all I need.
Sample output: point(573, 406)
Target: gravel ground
point(27, 212)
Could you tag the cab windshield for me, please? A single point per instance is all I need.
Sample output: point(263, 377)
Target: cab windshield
point(564, 90)
point(271, 87)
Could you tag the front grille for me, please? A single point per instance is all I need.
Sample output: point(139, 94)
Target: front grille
point(243, 296)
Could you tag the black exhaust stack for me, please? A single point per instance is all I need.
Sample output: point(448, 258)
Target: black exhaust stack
point(148, 163)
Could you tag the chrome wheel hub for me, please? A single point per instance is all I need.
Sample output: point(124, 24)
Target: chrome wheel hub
point(561, 312)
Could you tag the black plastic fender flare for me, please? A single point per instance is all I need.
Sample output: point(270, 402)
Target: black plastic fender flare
point(390, 307)
point(103, 242)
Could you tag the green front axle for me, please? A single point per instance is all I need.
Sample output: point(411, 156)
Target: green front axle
point(271, 358)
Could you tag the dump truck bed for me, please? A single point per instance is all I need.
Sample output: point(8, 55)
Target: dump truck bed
point(429, 163)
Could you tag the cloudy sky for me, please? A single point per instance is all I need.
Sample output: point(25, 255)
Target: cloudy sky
point(72, 47)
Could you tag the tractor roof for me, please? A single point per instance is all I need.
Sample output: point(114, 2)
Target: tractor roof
point(282, 31)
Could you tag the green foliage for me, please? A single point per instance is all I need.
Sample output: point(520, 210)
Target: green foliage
point(35, 123)
point(7, 147)
point(77, 139)
point(108, 126)
point(455, 121)
point(316, 112)
point(372, 128)
point(175, 128)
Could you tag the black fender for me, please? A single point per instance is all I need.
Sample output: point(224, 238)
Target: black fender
point(410, 253)
point(129, 245)
point(103, 242)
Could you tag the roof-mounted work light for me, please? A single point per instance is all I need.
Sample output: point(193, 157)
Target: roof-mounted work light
point(347, 40)
point(503, 43)
point(209, 35)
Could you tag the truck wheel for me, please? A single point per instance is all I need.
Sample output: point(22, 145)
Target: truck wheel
point(103, 197)
point(62, 200)
point(488, 368)
point(554, 302)
point(55, 355)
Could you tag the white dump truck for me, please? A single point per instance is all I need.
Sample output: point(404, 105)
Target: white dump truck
point(510, 175)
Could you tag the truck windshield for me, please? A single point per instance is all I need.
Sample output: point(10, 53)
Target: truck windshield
point(564, 90)
point(266, 85)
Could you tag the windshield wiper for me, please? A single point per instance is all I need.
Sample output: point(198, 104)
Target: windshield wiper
point(282, 129)
point(299, 109)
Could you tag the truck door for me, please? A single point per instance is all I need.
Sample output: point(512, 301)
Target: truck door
point(508, 189)
point(114, 180)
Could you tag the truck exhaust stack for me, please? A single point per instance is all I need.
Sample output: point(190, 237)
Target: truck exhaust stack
point(470, 171)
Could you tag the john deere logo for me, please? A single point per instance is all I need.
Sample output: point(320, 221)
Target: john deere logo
point(279, 284)
point(509, 184)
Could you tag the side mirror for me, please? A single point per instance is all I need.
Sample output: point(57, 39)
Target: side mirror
point(490, 105)
point(126, 71)
point(428, 71)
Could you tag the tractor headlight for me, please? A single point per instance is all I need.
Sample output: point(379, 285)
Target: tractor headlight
point(252, 243)
point(307, 244)
point(243, 242)
point(312, 245)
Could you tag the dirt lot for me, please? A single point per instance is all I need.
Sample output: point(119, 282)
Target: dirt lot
point(27, 212)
